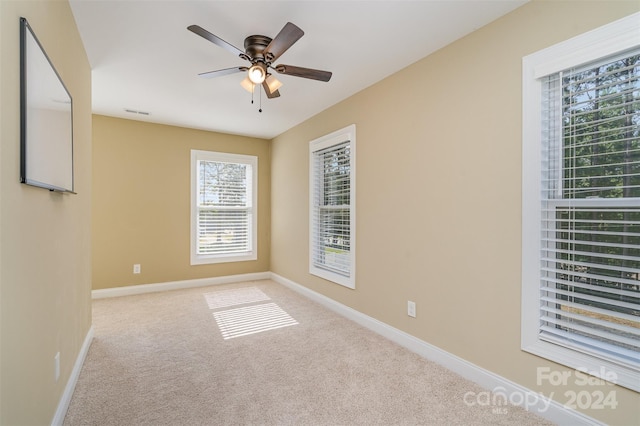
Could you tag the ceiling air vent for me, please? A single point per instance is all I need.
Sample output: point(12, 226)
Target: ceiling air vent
point(133, 111)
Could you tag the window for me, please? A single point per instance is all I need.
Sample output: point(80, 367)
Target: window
point(581, 203)
point(332, 210)
point(223, 207)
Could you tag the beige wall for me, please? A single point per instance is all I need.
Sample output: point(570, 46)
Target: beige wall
point(439, 194)
point(141, 203)
point(45, 244)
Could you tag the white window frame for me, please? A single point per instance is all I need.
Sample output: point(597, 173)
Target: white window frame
point(610, 39)
point(347, 134)
point(250, 160)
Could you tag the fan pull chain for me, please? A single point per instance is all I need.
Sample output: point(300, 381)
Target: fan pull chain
point(253, 89)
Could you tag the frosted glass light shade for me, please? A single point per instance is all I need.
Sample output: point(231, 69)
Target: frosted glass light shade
point(247, 85)
point(273, 83)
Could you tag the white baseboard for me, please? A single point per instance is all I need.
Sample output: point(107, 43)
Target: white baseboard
point(63, 405)
point(535, 402)
point(177, 285)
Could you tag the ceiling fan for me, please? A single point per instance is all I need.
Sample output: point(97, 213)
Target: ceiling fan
point(262, 51)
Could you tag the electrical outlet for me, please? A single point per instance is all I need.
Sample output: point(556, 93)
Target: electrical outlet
point(56, 366)
point(136, 268)
point(411, 308)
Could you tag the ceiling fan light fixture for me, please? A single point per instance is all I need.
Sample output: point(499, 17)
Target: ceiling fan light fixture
point(261, 51)
point(257, 74)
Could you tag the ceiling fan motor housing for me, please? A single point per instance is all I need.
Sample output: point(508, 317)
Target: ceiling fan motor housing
point(254, 47)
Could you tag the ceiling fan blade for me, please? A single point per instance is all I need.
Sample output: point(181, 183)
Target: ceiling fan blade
point(287, 36)
point(215, 39)
point(304, 72)
point(270, 94)
point(220, 73)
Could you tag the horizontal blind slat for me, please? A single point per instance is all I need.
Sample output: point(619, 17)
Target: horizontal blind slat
point(576, 315)
point(552, 283)
point(588, 345)
point(605, 333)
point(590, 298)
point(551, 251)
point(594, 310)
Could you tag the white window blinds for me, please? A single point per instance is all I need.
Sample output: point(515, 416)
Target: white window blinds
point(332, 207)
point(224, 207)
point(224, 199)
point(590, 260)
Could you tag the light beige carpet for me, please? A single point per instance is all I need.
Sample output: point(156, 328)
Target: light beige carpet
point(257, 353)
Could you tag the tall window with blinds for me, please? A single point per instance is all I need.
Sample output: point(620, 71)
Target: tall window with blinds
point(223, 204)
point(591, 208)
point(332, 207)
point(581, 203)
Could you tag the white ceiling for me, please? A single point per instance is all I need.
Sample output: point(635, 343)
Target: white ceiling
point(143, 58)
